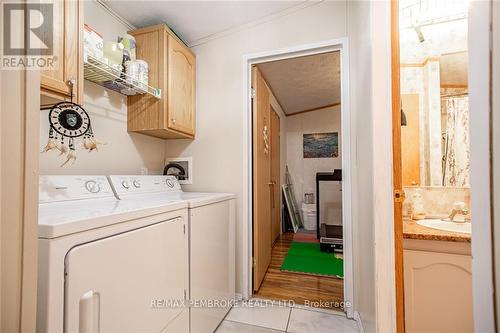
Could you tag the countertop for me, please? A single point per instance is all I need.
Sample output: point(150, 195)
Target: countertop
point(413, 230)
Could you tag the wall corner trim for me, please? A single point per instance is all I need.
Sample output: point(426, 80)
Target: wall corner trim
point(114, 14)
point(357, 318)
point(251, 24)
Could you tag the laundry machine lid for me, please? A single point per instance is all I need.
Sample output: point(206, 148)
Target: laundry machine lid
point(71, 204)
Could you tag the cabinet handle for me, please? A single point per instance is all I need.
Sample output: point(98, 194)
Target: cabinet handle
point(89, 312)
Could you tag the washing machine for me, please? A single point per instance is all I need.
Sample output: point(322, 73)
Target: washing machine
point(211, 232)
point(107, 265)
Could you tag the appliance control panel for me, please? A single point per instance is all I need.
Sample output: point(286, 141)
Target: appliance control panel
point(124, 185)
point(66, 188)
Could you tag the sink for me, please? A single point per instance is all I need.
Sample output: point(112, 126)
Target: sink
point(462, 227)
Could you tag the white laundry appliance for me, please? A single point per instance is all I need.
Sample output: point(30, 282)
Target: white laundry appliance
point(107, 265)
point(211, 243)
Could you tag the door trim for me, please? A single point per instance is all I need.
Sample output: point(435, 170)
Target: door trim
point(341, 45)
point(397, 178)
point(480, 99)
point(20, 127)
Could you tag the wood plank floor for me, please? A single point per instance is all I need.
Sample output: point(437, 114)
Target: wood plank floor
point(317, 291)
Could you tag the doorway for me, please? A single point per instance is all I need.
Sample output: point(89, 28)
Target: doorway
point(271, 235)
point(431, 166)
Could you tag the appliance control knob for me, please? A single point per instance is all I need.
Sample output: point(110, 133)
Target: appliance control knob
point(136, 183)
point(92, 186)
point(170, 183)
point(125, 184)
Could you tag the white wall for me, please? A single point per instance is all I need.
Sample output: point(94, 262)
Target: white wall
point(480, 153)
point(496, 147)
point(381, 146)
point(303, 170)
point(217, 150)
point(124, 153)
point(360, 75)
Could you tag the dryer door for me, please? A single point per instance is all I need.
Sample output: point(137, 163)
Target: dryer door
point(123, 283)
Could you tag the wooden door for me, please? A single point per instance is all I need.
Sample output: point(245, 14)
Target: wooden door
point(181, 87)
point(261, 179)
point(410, 141)
point(275, 176)
point(67, 47)
point(397, 179)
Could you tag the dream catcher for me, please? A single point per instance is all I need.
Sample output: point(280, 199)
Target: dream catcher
point(69, 121)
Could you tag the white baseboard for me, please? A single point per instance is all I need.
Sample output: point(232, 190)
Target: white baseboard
point(357, 318)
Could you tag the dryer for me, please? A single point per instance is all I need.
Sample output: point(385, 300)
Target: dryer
point(109, 265)
point(211, 243)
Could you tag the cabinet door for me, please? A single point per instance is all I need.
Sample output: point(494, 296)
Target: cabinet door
point(438, 292)
point(67, 49)
point(145, 112)
point(181, 87)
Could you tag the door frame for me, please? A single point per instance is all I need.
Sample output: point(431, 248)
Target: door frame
point(397, 179)
point(341, 45)
point(19, 159)
point(480, 99)
point(481, 130)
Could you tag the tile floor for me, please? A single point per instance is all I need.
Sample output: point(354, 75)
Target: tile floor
point(281, 318)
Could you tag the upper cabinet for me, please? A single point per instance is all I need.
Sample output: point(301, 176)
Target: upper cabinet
point(172, 68)
point(56, 84)
point(181, 87)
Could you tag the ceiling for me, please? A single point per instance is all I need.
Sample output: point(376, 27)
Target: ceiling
point(197, 20)
point(304, 83)
point(430, 28)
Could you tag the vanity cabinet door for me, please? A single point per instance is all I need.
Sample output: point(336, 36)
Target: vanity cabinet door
point(181, 87)
point(67, 45)
point(438, 292)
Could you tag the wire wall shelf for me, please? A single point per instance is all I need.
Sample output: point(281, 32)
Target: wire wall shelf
point(101, 73)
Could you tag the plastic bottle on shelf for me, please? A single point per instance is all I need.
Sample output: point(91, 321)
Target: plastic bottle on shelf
point(418, 211)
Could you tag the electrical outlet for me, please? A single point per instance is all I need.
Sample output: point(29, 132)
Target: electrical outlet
point(144, 171)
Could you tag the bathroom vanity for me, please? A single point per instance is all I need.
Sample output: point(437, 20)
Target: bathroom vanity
point(438, 280)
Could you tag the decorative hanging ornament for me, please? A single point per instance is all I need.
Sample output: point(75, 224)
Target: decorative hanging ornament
point(68, 121)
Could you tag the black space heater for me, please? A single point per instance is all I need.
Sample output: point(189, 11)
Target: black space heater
point(331, 237)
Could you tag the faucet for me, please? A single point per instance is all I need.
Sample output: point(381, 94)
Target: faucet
point(459, 209)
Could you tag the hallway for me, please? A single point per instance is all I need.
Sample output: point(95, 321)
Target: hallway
point(320, 291)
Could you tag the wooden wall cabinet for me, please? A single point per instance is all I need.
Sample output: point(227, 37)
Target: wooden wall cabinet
point(68, 48)
point(172, 68)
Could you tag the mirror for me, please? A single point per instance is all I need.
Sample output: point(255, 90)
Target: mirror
point(434, 93)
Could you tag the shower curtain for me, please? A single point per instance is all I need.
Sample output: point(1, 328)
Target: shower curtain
point(456, 171)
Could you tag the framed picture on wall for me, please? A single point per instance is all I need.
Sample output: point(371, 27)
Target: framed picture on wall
point(321, 145)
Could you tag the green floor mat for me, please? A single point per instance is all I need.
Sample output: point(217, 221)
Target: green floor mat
point(308, 258)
